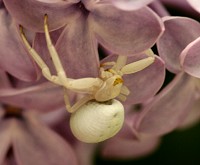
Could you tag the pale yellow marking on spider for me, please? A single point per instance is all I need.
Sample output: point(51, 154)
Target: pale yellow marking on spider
point(107, 86)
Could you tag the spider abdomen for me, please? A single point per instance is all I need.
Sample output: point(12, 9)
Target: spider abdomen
point(95, 122)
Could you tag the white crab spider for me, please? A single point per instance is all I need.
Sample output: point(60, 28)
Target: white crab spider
point(98, 115)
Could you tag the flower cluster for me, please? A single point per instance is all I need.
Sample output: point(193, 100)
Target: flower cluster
point(97, 50)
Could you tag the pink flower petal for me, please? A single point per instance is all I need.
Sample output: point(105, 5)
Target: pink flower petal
point(34, 143)
point(14, 58)
point(40, 46)
point(44, 97)
point(177, 36)
point(193, 117)
point(130, 4)
point(5, 138)
point(4, 80)
point(127, 5)
point(195, 4)
point(77, 48)
point(128, 131)
point(10, 160)
point(180, 5)
point(169, 108)
point(85, 152)
point(127, 148)
point(59, 12)
point(108, 24)
point(190, 58)
point(141, 85)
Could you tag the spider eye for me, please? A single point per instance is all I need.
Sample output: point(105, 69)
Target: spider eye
point(118, 81)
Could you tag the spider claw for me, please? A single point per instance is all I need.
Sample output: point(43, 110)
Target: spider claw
point(21, 28)
point(45, 18)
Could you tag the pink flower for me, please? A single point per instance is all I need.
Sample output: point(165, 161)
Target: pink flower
point(182, 59)
point(78, 27)
point(30, 141)
point(84, 25)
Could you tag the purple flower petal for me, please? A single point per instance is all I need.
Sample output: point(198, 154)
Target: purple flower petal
point(34, 143)
point(85, 152)
point(56, 118)
point(2, 112)
point(193, 117)
point(130, 4)
point(14, 58)
point(60, 12)
point(77, 48)
point(141, 85)
point(127, 131)
point(10, 160)
point(44, 97)
point(122, 31)
point(169, 108)
point(179, 5)
point(190, 58)
point(127, 5)
point(4, 80)
point(40, 46)
point(195, 4)
point(177, 36)
point(5, 138)
point(127, 148)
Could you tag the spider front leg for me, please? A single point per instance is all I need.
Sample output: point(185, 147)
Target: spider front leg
point(138, 65)
point(61, 78)
point(45, 69)
point(54, 55)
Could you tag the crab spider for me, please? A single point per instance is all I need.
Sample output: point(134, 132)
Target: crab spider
point(97, 116)
point(107, 86)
